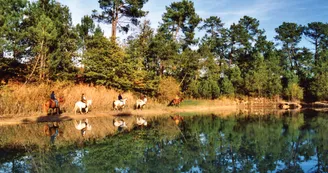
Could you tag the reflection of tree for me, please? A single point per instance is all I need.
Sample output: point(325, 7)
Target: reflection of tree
point(320, 141)
point(205, 143)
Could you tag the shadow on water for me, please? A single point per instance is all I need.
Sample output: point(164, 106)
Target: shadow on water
point(288, 142)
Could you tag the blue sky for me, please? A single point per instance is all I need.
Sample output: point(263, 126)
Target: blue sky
point(270, 13)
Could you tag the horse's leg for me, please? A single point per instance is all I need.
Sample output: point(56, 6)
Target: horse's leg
point(58, 110)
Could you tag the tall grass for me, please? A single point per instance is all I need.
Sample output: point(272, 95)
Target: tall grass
point(25, 100)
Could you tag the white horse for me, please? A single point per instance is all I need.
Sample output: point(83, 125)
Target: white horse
point(141, 103)
point(119, 104)
point(80, 105)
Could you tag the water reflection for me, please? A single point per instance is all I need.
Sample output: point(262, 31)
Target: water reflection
point(291, 143)
point(52, 131)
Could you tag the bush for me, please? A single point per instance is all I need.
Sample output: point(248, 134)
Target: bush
point(294, 92)
point(168, 89)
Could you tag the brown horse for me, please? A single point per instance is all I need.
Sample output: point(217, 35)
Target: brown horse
point(51, 104)
point(176, 102)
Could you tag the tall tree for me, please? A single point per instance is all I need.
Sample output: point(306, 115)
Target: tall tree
point(12, 38)
point(84, 30)
point(144, 79)
point(116, 11)
point(52, 36)
point(181, 16)
point(290, 34)
point(317, 32)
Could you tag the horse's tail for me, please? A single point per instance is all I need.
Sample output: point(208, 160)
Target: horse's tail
point(46, 130)
point(46, 107)
point(75, 108)
point(171, 103)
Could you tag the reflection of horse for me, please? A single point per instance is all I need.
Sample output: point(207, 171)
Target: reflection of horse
point(141, 103)
point(80, 105)
point(177, 119)
point(83, 126)
point(141, 121)
point(51, 104)
point(175, 102)
point(52, 131)
point(119, 104)
point(120, 124)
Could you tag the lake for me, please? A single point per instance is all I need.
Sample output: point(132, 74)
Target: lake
point(288, 142)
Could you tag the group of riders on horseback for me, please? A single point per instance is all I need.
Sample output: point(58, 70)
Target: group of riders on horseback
point(53, 98)
point(119, 104)
point(82, 104)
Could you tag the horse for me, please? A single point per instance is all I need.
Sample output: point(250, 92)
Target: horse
point(51, 104)
point(176, 102)
point(141, 103)
point(80, 105)
point(118, 104)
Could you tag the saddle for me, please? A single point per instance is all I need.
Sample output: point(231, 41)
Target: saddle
point(53, 102)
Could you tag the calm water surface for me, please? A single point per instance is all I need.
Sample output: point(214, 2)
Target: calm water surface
point(285, 143)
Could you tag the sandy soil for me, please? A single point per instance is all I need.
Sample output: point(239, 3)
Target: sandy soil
point(222, 110)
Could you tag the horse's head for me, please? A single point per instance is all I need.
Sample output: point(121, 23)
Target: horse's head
point(61, 99)
point(89, 102)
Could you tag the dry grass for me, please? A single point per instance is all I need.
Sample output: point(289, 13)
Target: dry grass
point(25, 100)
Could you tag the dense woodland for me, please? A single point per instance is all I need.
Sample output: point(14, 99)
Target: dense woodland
point(40, 44)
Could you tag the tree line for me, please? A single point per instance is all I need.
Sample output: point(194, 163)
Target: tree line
point(229, 60)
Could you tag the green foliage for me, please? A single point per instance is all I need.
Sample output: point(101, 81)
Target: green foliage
point(209, 89)
point(319, 87)
point(193, 89)
point(227, 87)
point(229, 61)
point(113, 10)
point(256, 77)
point(144, 81)
point(181, 16)
point(294, 92)
point(105, 63)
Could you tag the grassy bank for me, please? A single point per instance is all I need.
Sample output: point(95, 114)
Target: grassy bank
point(17, 100)
point(27, 100)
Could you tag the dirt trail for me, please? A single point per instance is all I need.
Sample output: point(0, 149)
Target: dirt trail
point(222, 110)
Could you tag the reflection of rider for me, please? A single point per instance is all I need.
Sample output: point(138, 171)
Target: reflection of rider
point(83, 99)
point(53, 97)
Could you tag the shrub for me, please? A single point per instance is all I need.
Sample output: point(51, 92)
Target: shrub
point(168, 89)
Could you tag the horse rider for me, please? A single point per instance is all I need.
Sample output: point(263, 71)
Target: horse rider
point(53, 98)
point(120, 98)
point(84, 100)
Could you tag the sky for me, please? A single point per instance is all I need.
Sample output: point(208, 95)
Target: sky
point(270, 13)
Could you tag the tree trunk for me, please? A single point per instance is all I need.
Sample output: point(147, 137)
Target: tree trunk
point(114, 25)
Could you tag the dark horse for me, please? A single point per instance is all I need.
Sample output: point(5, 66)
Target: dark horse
point(175, 102)
point(51, 104)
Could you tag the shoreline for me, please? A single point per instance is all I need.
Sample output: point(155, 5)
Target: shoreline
point(224, 110)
